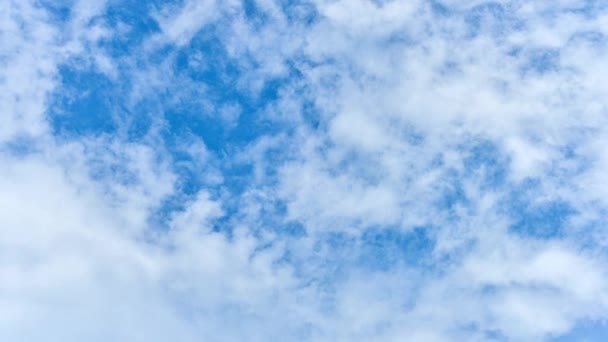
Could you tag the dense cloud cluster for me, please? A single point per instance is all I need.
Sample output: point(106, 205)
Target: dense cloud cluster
point(314, 170)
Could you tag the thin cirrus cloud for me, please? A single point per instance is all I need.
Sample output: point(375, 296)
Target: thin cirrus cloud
point(311, 170)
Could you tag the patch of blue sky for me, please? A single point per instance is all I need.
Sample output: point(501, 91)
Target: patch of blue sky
point(60, 11)
point(541, 61)
point(327, 265)
point(85, 102)
point(89, 103)
point(386, 248)
point(135, 23)
point(590, 234)
point(136, 121)
point(302, 12)
point(439, 9)
point(226, 140)
point(542, 219)
point(531, 216)
point(220, 74)
point(19, 146)
point(271, 217)
point(297, 12)
point(311, 115)
point(573, 163)
point(189, 183)
point(215, 78)
point(491, 17)
point(587, 8)
point(486, 162)
point(337, 256)
point(254, 14)
point(358, 165)
point(494, 336)
point(205, 59)
point(593, 37)
point(585, 331)
point(452, 195)
point(411, 134)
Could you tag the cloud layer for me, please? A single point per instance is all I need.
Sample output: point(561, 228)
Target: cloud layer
point(349, 170)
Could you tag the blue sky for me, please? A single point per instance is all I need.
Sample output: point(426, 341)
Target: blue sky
point(315, 170)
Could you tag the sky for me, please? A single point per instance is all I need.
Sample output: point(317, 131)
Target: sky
point(310, 170)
